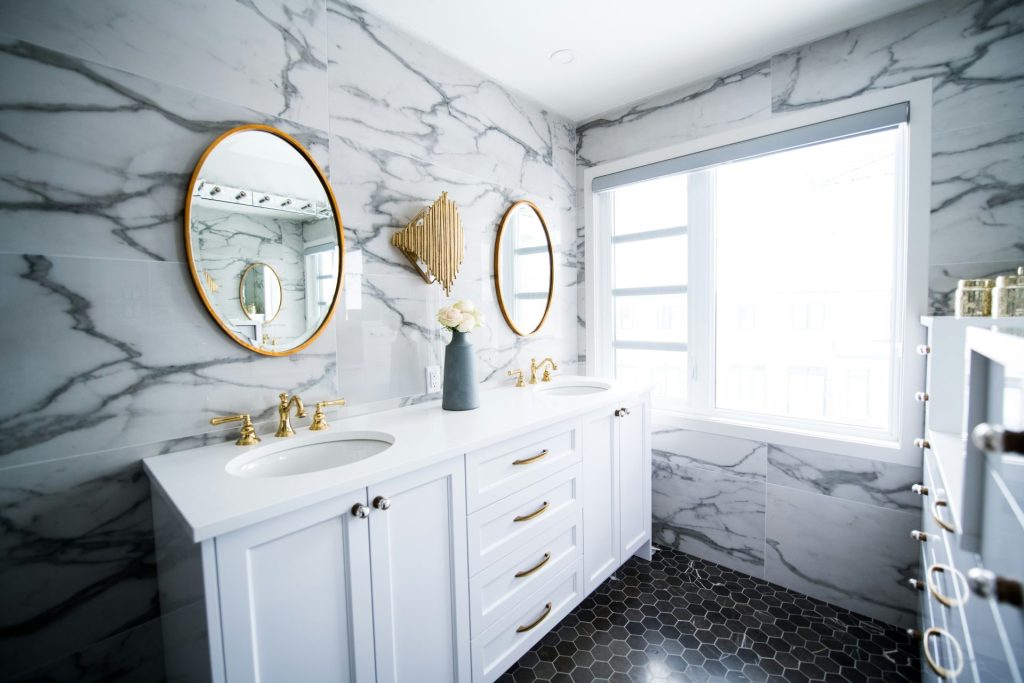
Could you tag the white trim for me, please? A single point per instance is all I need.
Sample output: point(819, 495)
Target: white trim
point(909, 414)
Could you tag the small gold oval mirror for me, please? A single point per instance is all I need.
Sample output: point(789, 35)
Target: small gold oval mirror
point(524, 268)
point(261, 220)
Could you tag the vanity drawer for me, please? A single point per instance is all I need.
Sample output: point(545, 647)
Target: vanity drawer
point(500, 470)
point(520, 628)
point(498, 529)
point(503, 585)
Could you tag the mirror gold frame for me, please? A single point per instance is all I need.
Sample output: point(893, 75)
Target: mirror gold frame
point(241, 290)
point(497, 267)
point(196, 276)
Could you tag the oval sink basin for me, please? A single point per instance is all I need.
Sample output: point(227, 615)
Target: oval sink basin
point(285, 459)
point(574, 387)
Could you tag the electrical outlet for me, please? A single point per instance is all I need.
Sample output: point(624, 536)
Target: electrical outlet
point(433, 379)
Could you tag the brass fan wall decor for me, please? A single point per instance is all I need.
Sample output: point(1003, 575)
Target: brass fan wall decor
point(434, 238)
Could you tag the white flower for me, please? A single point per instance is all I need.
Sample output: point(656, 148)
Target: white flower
point(466, 306)
point(468, 323)
point(449, 317)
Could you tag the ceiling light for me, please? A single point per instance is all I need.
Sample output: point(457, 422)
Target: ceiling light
point(563, 57)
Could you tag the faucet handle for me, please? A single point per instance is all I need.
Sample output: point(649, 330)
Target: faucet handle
point(319, 419)
point(248, 435)
point(518, 374)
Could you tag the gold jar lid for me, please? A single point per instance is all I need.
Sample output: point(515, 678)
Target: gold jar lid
point(983, 283)
point(1010, 281)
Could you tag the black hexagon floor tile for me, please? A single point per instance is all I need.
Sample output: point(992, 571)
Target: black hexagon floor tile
point(680, 618)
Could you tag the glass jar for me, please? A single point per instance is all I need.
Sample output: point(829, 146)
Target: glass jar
point(1008, 295)
point(974, 298)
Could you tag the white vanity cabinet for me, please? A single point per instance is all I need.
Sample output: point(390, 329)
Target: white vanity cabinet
point(439, 560)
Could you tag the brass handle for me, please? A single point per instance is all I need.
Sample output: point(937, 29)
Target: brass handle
point(916, 584)
point(525, 518)
point(987, 584)
point(336, 402)
point(247, 437)
point(919, 535)
point(958, 579)
point(361, 511)
point(527, 572)
point(319, 419)
point(941, 671)
point(535, 458)
point(937, 516)
point(919, 489)
point(227, 418)
point(382, 503)
point(542, 617)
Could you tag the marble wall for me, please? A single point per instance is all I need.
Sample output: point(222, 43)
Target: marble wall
point(105, 108)
point(831, 526)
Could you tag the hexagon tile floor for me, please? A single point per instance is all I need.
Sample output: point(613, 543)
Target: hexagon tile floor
point(682, 619)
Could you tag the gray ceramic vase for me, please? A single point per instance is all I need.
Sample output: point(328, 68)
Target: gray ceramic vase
point(459, 390)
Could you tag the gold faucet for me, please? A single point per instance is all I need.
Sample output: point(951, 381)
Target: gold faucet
point(284, 411)
point(319, 419)
point(535, 366)
point(248, 436)
point(518, 374)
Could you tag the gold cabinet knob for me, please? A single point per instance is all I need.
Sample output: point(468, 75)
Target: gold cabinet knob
point(916, 584)
point(924, 349)
point(382, 503)
point(919, 489)
point(921, 396)
point(247, 437)
point(919, 535)
point(921, 442)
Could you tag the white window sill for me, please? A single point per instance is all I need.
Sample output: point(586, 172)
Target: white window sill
point(857, 447)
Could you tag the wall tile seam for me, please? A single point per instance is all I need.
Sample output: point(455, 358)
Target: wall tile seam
point(716, 469)
point(860, 503)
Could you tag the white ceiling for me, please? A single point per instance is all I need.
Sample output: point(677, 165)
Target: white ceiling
point(625, 50)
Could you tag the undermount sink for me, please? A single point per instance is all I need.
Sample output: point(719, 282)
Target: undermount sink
point(285, 459)
point(576, 386)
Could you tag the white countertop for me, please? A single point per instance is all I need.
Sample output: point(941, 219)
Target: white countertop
point(212, 502)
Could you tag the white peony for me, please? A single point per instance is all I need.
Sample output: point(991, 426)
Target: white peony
point(468, 323)
point(449, 317)
point(466, 306)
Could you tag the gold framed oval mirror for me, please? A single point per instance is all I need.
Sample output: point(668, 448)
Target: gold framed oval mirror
point(524, 268)
point(262, 225)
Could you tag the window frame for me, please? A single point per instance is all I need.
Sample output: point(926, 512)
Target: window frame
point(910, 291)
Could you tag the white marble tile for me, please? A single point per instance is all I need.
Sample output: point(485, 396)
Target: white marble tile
point(95, 161)
point(113, 353)
point(266, 55)
point(846, 553)
point(978, 192)
point(690, 112)
point(716, 516)
point(725, 454)
point(970, 49)
point(392, 91)
point(867, 481)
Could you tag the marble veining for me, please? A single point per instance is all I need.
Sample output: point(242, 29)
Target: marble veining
point(727, 455)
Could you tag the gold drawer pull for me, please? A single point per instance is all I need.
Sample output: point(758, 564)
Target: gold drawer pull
point(525, 518)
point(960, 588)
point(530, 627)
point(937, 516)
point(941, 671)
point(527, 461)
point(527, 572)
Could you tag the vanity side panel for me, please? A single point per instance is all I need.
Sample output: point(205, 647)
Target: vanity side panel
point(635, 482)
point(600, 498)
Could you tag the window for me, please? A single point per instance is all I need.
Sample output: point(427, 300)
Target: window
point(762, 282)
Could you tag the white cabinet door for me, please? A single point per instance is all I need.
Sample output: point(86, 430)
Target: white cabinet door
point(295, 597)
point(634, 480)
point(600, 499)
point(420, 581)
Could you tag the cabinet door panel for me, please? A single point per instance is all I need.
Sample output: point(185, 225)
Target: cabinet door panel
point(294, 597)
point(420, 582)
point(634, 481)
point(600, 499)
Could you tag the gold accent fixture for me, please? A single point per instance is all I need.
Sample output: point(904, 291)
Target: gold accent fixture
point(191, 256)
point(919, 489)
point(973, 298)
point(527, 572)
point(284, 412)
point(535, 366)
point(319, 419)
point(518, 374)
point(937, 516)
point(241, 292)
point(916, 584)
point(497, 268)
point(535, 458)
point(533, 625)
point(435, 238)
point(526, 518)
point(941, 671)
point(211, 284)
point(919, 535)
point(248, 435)
point(960, 587)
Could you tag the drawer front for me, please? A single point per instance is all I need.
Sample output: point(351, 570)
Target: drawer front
point(501, 645)
point(503, 585)
point(498, 529)
point(500, 470)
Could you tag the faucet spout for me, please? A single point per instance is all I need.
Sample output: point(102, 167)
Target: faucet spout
point(284, 412)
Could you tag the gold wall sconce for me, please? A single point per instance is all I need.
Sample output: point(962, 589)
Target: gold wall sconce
point(434, 243)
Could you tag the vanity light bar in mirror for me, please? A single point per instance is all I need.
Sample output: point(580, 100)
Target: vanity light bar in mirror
point(239, 196)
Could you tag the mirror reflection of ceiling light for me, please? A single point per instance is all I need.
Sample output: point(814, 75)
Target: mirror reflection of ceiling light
point(562, 57)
